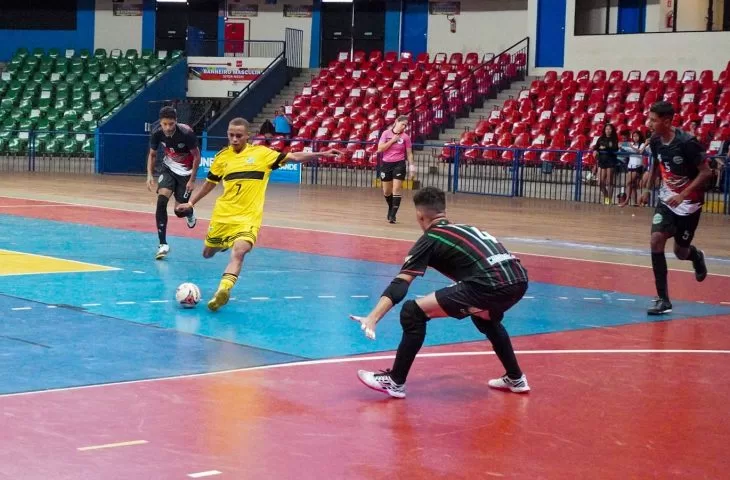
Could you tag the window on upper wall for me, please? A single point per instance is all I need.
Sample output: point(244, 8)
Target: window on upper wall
point(621, 17)
point(38, 14)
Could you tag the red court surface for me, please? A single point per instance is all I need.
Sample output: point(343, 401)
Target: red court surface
point(631, 402)
point(591, 414)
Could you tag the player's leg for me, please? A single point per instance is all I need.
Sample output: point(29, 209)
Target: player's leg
point(386, 178)
point(165, 187)
point(399, 174)
point(447, 302)
point(182, 196)
point(241, 242)
point(683, 248)
point(602, 182)
point(662, 228)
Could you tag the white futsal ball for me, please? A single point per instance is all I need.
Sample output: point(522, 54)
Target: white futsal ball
point(187, 295)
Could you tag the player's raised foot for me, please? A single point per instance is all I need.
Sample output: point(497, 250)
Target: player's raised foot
point(382, 382)
point(519, 385)
point(162, 251)
point(660, 307)
point(219, 299)
point(191, 220)
point(699, 266)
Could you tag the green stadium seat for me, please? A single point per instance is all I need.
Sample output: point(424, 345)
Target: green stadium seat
point(22, 52)
point(44, 125)
point(27, 124)
point(70, 146)
point(39, 52)
point(87, 147)
point(3, 145)
point(84, 53)
point(131, 54)
point(100, 53)
point(116, 53)
point(54, 53)
point(18, 145)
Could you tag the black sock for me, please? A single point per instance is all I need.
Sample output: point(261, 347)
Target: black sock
point(389, 201)
point(410, 343)
point(501, 343)
point(693, 255)
point(396, 204)
point(161, 217)
point(659, 265)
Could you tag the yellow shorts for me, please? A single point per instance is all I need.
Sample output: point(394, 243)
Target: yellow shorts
point(224, 235)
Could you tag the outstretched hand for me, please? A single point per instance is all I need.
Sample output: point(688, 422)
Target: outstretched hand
point(367, 325)
point(330, 153)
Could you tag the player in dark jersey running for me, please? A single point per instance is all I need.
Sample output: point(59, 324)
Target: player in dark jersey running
point(679, 158)
point(489, 281)
point(179, 168)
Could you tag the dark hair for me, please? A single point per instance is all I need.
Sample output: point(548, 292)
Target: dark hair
point(614, 134)
point(431, 198)
point(641, 135)
point(168, 112)
point(662, 109)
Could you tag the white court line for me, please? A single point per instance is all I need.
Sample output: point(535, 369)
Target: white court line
point(51, 306)
point(112, 445)
point(137, 271)
point(591, 298)
point(528, 297)
point(147, 212)
point(326, 296)
point(563, 298)
point(626, 299)
point(126, 303)
point(260, 298)
point(17, 309)
point(158, 301)
point(209, 473)
point(725, 303)
point(295, 297)
point(340, 360)
point(359, 296)
point(91, 304)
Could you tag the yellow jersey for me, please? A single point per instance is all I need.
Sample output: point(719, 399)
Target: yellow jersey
point(245, 177)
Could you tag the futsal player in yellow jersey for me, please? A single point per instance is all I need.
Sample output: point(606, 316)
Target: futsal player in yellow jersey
point(238, 212)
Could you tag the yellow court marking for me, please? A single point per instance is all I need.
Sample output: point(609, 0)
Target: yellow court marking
point(20, 263)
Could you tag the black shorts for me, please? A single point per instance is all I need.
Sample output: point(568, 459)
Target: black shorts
point(638, 170)
point(607, 162)
point(393, 170)
point(682, 227)
point(464, 299)
point(172, 181)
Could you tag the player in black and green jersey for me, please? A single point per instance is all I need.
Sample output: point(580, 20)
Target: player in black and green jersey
point(488, 281)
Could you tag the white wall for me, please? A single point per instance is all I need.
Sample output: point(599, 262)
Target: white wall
point(658, 51)
point(116, 32)
point(271, 23)
point(484, 26)
point(651, 51)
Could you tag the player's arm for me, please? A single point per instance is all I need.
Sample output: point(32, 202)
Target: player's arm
point(409, 156)
point(383, 146)
point(299, 157)
point(392, 296)
point(649, 180)
point(151, 160)
point(215, 175)
point(194, 169)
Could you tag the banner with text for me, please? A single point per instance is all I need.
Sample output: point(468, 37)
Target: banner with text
point(222, 76)
point(289, 173)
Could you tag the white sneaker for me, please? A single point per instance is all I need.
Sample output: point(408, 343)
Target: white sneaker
point(191, 220)
point(505, 383)
point(382, 383)
point(162, 251)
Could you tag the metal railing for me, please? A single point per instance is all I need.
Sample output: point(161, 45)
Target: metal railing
point(559, 175)
point(234, 48)
point(294, 48)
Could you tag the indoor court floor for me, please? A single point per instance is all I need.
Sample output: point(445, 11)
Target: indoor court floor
point(103, 376)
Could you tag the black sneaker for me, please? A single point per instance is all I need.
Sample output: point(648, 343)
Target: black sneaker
point(391, 219)
point(661, 306)
point(699, 266)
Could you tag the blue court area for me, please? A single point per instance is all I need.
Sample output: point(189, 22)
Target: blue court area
point(69, 329)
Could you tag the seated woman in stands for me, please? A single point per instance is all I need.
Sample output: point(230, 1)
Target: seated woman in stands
point(607, 146)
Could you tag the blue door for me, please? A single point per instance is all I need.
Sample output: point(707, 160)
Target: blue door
point(631, 16)
point(550, 48)
point(414, 27)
